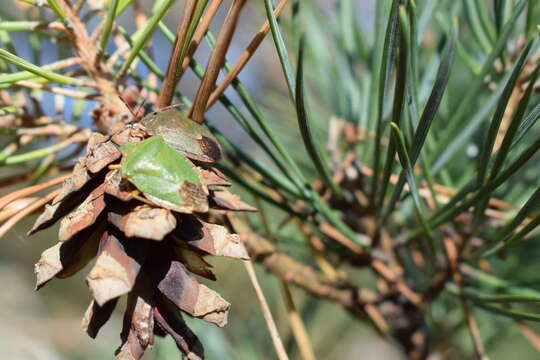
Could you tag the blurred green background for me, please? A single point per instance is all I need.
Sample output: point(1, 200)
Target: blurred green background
point(46, 325)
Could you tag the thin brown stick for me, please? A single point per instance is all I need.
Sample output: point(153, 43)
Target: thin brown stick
point(8, 225)
point(377, 265)
point(75, 94)
point(78, 6)
point(357, 301)
point(295, 320)
point(6, 200)
point(79, 137)
point(121, 51)
point(200, 32)
point(479, 348)
point(245, 57)
point(216, 61)
point(378, 320)
point(15, 207)
point(48, 130)
point(318, 251)
point(442, 191)
point(331, 232)
point(87, 50)
point(171, 78)
point(62, 64)
point(297, 325)
point(452, 254)
point(276, 340)
point(529, 334)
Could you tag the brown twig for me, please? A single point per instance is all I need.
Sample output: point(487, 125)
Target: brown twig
point(297, 325)
point(318, 251)
point(453, 255)
point(377, 265)
point(6, 200)
point(244, 58)
point(62, 64)
point(200, 32)
point(216, 61)
point(171, 77)
point(359, 302)
point(87, 50)
point(75, 94)
point(48, 130)
point(276, 339)
point(78, 137)
point(8, 225)
point(479, 348)
point(14, 207)
point(332, 233)
point(529, 334)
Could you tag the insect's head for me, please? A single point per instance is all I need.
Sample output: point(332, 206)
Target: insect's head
point(141, 111)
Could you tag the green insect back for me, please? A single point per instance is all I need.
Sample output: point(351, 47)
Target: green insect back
point(164, 175)
point(185, 135)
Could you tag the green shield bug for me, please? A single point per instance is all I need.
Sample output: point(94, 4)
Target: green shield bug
point(163, 175)
point(185, 135)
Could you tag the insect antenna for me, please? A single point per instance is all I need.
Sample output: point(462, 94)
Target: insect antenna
point(137, 113)
point(171, 107)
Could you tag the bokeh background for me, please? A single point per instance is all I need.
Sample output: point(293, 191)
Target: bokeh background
point(45, 325)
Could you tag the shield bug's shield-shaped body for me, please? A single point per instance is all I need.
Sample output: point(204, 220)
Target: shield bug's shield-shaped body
point(185, 135)
point(164, 175)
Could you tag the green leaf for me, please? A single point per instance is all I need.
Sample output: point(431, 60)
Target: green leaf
point(386, 62)
point(430, 110)
point(449, 213)
point(531, 225)
point(484, 14)
point(504, 237)
point(491, 135)
point(20, 25)
point(143, 35)
point(197, 14)
point(351, 36)
point(430, 6)
point(163, 175)
point(299, 180)
point(515, 123)
point(397, 108)
point(296, 175)
point(514, 314)
point(39, 71)
point(122, 5)
point(407, 168)
point(501, 8)
point(267, 173)
point(462, 135)
point(494, 283)
point(150, 64)
point(281, 48)
point(234, 175)
point(476, 26)
point(9, 110)
point(527, 123)
point(499, 297)
point(112, 8)
point(313, 149)
point(532, 17)
point(57, 10)
point(471, 94)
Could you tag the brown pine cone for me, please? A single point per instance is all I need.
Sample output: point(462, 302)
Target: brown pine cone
point(144, 248)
